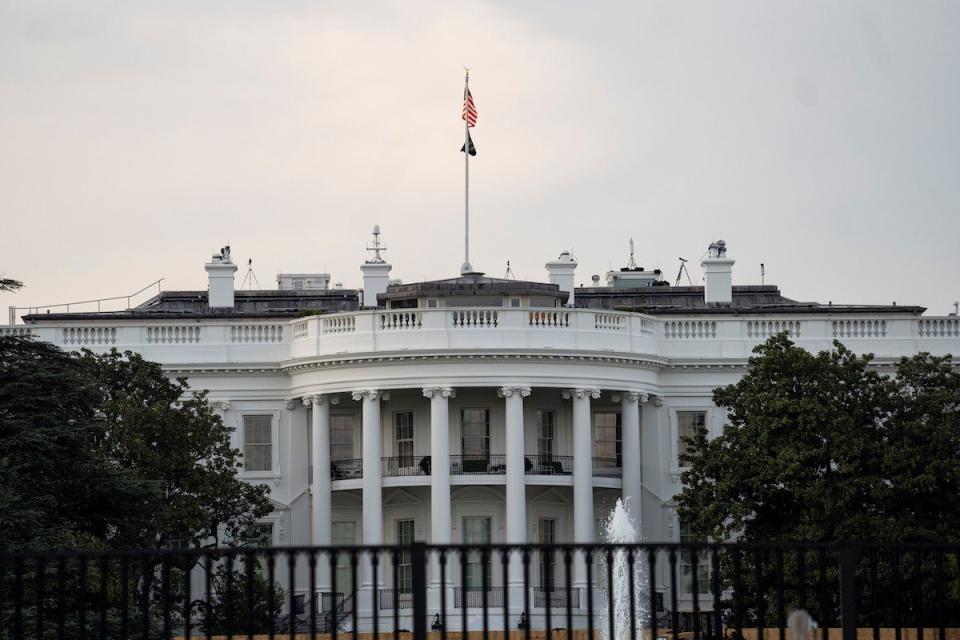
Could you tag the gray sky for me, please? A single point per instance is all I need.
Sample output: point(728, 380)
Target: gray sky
point(822, 138)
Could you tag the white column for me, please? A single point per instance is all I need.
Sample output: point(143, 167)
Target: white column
point(516, 529)
point(440, 522)
point(321, 498)
point(632, 476)
point(439, 463)
point(372, 532)
point(583, 526)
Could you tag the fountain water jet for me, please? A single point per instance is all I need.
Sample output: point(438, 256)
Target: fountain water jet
point(620, 529)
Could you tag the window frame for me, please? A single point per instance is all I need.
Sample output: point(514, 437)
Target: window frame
point(411, 457)
point(353, 435)
point(675, 468)
point(274, 470)
point(618, 434)
point(486, 453)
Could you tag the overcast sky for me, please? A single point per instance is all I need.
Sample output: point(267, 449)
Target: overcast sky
point(822, 138)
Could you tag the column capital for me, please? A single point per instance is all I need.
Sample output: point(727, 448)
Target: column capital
point(581, 393)
point(440, 392)
point(293, 404)
point(371, 394)
point(632, 396)
point(506, 392)
point(657, 401)
point(318, 399)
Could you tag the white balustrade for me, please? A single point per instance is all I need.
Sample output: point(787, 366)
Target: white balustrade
point(301, 328)
point(15, 331)
point(473, 318)
point(548, 318)
point(689, 329)
point(340, 324)
point(89, 335)
point(173, 334)
point(256, 333)
point(859, 328)
point(609, 321)
point(390, 320)
point(766, 328)
point(938, 327)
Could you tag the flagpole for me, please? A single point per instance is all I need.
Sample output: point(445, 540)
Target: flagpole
point(466, 268)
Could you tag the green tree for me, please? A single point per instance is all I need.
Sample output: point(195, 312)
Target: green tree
point(822, 448)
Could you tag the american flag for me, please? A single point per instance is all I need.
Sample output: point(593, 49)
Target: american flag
point(469, 109)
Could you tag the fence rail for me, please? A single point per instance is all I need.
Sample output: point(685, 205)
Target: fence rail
point(706, 591)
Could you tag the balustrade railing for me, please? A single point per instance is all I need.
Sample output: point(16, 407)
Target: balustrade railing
point(556, 596)
point(474, 597)
point(548, 465)
point(466, 465)
point(474, 318)
point(399, 466)
point(548, 318)
point(607, 468)
point(689, 329)
point(391, 320)
point(346, 469)
point(395, 599)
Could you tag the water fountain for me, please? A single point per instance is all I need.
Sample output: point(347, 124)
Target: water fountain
point(620, 529)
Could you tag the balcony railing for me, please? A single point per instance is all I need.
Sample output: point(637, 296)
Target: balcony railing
point(394, 599)
point(401, 466)
point(473, 597)
point(346, 469)
point(607, 468)
point(478, 465)
point(548, 465)
point(556, 596)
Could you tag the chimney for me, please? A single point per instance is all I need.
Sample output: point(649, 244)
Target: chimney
point(220, 280)
point(376, 271)
point(717, 276)
point(560, 273)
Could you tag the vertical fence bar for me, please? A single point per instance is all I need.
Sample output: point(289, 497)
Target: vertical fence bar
point(249, 560)
point(568, 587)
point(375, 600)
point(103, 565)
point(18, 598)
point(124, 595)
point(291, 601)
point(674, 614)
point(271, 593)
point(546, 561)
point(442, 560)
point(824, 596)
point(207, 594)
point(505, 567)
point(695, 588)
point(610, 603)
point(419, 559)
point(781, 597)
point(82, 596)
point(802, 579)
point(895, 561)
point(485, 586)
point(313, 602)
point(941, 588)
point(633, 596)
point(61, 595)
point(717, 606)
point(165, 593)
point(875, 594)
point(40, 569)
point(848, 592)
point(738, 591)
point(525, 559)
point(354, 560)
point(588, 560)
point(228, 595)
point(333, 616)
point(395, 558)
point(463, 592)
point(917, 591)
point(188, 564)
point(759, 593)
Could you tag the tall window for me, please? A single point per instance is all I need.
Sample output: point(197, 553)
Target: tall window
point(548, 561)
point(258, 443)
point(475, 434)
point(341, 437)
point(404, 563)
point(688, 566)
point(477, 531)
point(688, 422)
point(344, 534)
point(545, 434)
point(607, 433)
point(403, 435)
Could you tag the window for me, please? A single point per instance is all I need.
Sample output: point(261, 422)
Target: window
point(548, 561)
point(688, 422)
point(545, 434)
point(475, 434)
point(607, 433)
point(404, 563)
point(514, 302)
point(688, 567)
point(258, 443)
point(477, 531)
point(341, 438)
point(403, 434)
point(259, 535)
point(431, 303)
point(344, 534)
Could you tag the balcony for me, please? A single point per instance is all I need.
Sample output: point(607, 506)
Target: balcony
point(474, 596)
point(396, 599)
point(556, 597)
point(548, 465)
point(346, 469)
point(607, 468)
point(403, 466)
point(478, 465)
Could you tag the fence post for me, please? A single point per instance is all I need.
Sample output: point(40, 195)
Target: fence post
point(848, 592)
point(418, 558)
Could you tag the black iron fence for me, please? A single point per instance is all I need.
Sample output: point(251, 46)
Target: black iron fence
point(884, 592)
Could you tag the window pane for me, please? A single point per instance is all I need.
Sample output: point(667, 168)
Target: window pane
point(545, 433)
point(607, 436)
point(477, 531)
point(403, 437)
point(548, 561)
point(475, 433)
point(688, 566)
point(257, 443)
point(687, 424)
point(341, 437)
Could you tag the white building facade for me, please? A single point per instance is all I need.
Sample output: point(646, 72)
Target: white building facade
point(476, 409)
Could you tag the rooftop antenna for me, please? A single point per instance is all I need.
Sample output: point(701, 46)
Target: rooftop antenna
point(251, 277)
point(509, 275)
point(956, 308)
point(377, 247)
point(683, 270)
point(763, 273)
point(632, 264)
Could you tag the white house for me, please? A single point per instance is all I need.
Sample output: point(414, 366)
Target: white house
point(474, 408)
